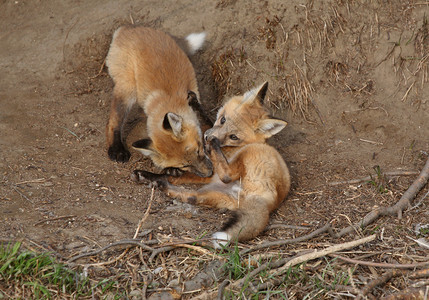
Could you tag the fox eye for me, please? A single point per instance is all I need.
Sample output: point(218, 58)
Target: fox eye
point(222, 120)
point(233, 137)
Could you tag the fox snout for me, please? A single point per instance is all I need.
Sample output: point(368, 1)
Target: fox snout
point(211, 134)
point(204, 168)
point(208, 134)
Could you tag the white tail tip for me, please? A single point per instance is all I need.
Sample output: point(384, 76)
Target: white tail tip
point(195, 41)
point(221, 239)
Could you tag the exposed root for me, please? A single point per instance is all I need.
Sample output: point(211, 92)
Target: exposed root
point(368, 178)
point(397, 209)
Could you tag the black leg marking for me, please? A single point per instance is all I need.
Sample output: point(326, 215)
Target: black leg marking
point(143, 176)
point(117, 151)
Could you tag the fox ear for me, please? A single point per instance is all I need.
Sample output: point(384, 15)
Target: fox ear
point(172, 122)
point(257, 94)
point(193, 103)
point(144, 146)
point(192, 98)
point(197, 107)
point(270, 127)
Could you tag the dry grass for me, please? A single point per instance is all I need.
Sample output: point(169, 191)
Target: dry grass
point(225, 3)
point(296, 93)
point(296, 52)
point(224, 69)
point(268, 32)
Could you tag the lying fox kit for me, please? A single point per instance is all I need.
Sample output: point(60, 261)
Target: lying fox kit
point(250, 177)
point(149, 68)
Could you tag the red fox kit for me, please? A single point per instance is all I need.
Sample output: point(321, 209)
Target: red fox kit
point(250, 177)
point(149, 68)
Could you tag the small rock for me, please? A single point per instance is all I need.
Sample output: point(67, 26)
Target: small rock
point(161, 296)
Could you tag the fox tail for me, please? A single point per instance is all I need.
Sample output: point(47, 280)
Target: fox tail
point(246, 223)
point(195, 41)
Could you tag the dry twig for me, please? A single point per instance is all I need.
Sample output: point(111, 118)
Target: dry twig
point(99, 72)
point(55, 219)
point(324, 252)
point(381, 265)
point(414, 294)
point(119, 243)
point(388, 276)
point(145, 214)
point(281, 266)
point(278, 243)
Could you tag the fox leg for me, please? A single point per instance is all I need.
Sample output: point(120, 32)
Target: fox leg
point(189, 178)
point(202, 197)
point(141, 176)
point(117, 150)
point(227, 172)
point(177, 176)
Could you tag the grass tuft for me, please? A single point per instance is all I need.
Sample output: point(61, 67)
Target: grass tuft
point(235, 268)
point(379, 182)
point(24, 273)
point(38, 272)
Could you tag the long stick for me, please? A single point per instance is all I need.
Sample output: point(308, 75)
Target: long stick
point(324, 252)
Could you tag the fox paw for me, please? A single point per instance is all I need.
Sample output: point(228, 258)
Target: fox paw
point(141, 176)
point(211, 143)
point(175, 172)
point(214, 144)
point(118, 152)
point(226, 179)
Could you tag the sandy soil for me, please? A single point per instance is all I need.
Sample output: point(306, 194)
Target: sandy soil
point(351, 79)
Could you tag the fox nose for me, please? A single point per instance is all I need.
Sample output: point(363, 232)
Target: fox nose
point(209, 138)
point(207, 134)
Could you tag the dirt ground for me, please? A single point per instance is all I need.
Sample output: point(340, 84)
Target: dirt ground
point(350, 77)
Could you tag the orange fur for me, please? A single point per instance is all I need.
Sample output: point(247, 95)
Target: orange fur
point(149, 68)
point(250, 177)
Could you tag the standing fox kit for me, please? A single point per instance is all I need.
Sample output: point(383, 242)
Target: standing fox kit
point(250, 177)
point(149, 68)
